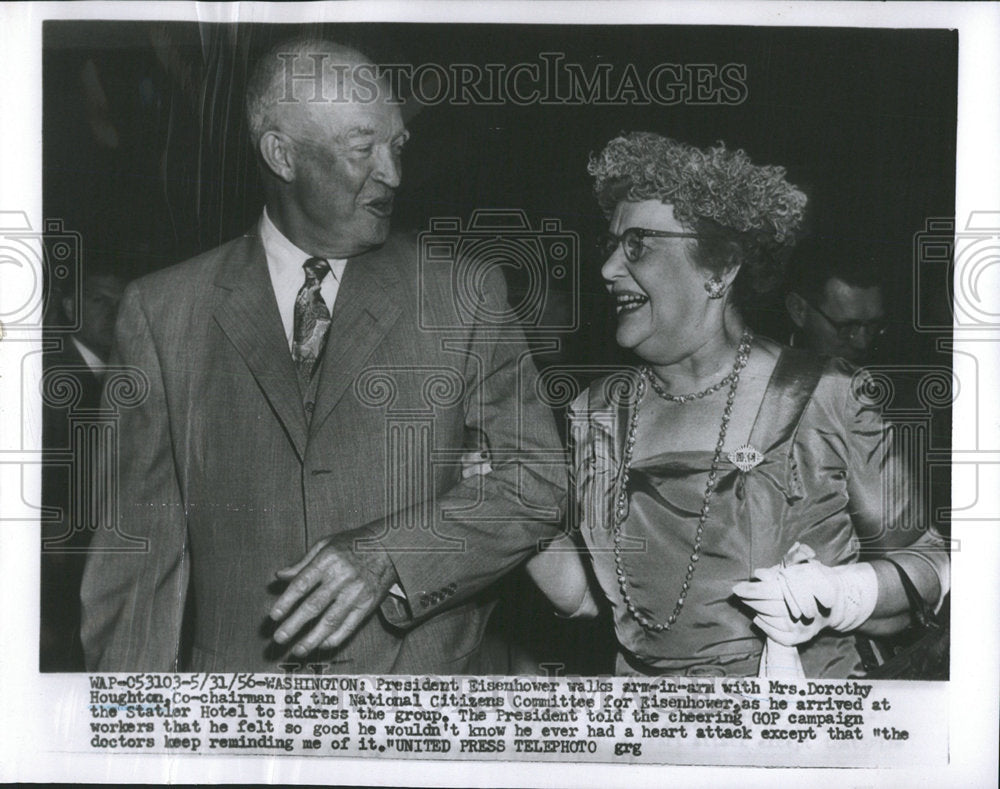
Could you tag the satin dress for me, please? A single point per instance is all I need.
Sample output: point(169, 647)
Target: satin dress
point(820, 483)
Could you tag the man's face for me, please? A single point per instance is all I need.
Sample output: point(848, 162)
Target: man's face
point(346, 172)
point(99, 309)
point(828, 329)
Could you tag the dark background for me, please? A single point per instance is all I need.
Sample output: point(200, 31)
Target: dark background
point(863, 120)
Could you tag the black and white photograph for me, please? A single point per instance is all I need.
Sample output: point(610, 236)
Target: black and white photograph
point(492, 388)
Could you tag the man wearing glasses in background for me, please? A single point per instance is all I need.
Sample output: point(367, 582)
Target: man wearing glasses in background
point(835, 300)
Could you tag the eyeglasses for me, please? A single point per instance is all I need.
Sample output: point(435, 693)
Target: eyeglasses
point(631, 241)
point(848, 331)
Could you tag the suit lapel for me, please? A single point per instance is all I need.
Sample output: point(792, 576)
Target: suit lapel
point(248, 314)
point(367, 306)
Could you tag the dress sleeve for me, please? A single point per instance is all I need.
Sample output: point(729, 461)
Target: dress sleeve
point(886, 505)
point(880, 482)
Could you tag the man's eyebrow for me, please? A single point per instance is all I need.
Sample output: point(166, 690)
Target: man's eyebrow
point(366, 132)
point(359, 131)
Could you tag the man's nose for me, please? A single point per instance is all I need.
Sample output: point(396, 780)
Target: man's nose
point(388, 169)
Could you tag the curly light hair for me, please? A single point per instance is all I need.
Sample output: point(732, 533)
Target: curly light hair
point(748, 214)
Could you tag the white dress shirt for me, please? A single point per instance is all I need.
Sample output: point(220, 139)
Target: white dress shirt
point(284, 264)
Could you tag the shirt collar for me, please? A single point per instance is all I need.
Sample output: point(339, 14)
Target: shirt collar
point(285, 256)
point(279, 249)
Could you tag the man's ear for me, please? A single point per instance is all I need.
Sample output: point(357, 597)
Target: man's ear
point(796, 306)
point(278, 152)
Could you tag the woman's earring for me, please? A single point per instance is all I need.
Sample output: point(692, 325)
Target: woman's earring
point(715, 287)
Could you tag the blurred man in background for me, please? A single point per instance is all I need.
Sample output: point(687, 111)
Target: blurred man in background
point(835, 300)
point(82, 355)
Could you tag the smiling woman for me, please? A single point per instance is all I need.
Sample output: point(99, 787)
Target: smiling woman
point(730, 500)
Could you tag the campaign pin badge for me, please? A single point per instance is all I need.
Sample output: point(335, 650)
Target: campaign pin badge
point(745, 457)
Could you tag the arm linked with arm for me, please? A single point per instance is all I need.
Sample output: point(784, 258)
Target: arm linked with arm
point(560, 570)
point(499, 517)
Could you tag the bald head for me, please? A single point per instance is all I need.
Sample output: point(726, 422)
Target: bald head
point(298, 77)
point(329, 138)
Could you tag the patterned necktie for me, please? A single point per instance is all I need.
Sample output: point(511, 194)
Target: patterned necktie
point(312, 319)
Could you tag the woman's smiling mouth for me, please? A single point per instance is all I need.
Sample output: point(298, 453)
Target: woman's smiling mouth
point(629, 301)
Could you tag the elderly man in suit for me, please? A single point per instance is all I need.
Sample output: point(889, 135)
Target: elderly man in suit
point(263, 467)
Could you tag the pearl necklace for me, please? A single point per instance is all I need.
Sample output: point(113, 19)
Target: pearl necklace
point(744, 350)
point(742, 355)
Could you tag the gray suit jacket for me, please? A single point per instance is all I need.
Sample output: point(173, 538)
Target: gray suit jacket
point(227, 479)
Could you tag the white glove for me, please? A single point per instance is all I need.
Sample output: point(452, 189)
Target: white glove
point(795, 603)
point(780, 662)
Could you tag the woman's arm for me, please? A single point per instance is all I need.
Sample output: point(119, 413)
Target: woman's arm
point(560, 573)
point(888, 518)
point(560, 570)
point(794, 602)
point(927, 565)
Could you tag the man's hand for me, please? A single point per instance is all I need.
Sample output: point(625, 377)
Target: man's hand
point(334, 584)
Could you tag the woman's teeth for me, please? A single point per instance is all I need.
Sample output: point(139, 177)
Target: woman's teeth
point(629, 302)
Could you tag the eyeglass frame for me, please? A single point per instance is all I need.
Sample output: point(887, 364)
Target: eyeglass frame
point(848, 330)
point(641, 232)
